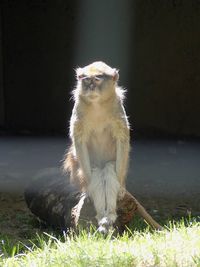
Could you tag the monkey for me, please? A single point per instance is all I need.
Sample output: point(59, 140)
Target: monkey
point(98, 158)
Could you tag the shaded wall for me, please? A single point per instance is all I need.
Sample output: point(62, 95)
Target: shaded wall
point(154, 43)
point(38, 51)
point(2, 108)
point(166, 65)
point(104, 36)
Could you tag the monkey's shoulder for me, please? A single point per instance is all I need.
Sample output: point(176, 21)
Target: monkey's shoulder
point(99, 120)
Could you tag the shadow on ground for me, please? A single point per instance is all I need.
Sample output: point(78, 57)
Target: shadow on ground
point(164, 175)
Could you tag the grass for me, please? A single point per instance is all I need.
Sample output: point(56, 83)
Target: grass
point(177, 245)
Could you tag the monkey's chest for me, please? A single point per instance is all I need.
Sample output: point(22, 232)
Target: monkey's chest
point(101, 147)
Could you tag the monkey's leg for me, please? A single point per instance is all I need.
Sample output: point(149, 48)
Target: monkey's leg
point(96, 192)
point(112, 188)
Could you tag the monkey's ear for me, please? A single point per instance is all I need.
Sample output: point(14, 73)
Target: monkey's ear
point(79, 73)
point(116, 75)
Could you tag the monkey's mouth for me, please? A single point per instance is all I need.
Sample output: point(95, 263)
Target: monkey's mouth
point(92, 94)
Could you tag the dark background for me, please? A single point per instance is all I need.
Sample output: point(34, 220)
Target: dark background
point(154, 43)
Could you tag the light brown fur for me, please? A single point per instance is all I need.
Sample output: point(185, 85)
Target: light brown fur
point(99, 129)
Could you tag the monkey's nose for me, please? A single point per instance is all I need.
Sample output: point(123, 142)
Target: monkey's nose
point(92, 86)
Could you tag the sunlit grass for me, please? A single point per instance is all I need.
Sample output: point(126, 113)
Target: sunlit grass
point(177, 245)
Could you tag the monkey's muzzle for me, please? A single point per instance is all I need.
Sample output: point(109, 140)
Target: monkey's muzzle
point(92, 85)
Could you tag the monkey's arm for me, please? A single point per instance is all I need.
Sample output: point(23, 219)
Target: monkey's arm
point(122, 135)
point(122, 160)
point(83, 159)
point(79, 142)
point(77, 134)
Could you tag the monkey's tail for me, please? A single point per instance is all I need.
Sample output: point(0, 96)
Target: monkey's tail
point(147, 217)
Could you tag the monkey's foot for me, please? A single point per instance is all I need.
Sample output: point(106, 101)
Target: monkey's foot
point(112, 217)
point(105, 226)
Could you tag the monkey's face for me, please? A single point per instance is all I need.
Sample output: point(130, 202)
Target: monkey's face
point(97, 81)
point(96, 86)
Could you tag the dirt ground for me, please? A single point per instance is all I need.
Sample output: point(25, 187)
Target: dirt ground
point(16, 221)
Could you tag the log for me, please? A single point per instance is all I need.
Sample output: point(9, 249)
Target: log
point(54, 201)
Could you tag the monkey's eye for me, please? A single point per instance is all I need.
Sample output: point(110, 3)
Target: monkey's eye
point(81, 77)
point(84, 78)
point(100, 77)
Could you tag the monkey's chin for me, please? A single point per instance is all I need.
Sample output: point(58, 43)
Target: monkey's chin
point(93, 96)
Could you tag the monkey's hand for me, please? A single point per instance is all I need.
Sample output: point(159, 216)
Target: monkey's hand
point(122, 192)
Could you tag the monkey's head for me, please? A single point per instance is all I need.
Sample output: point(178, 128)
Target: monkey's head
point(96, 81)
